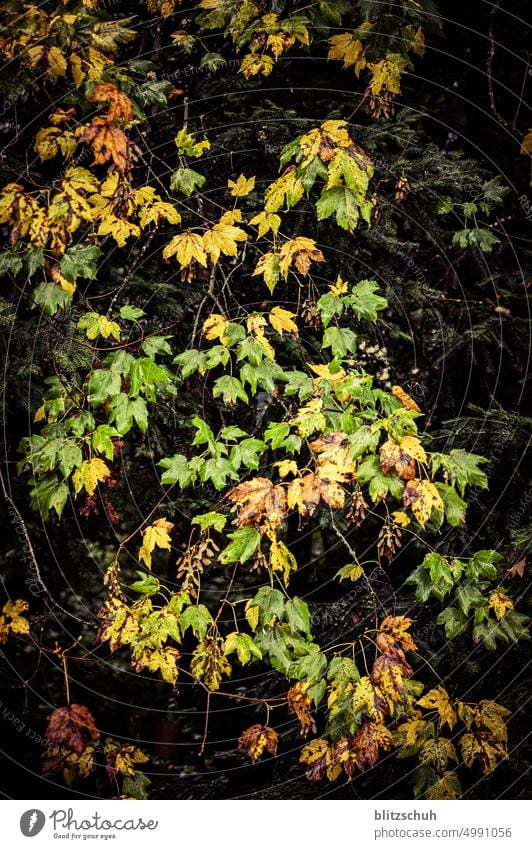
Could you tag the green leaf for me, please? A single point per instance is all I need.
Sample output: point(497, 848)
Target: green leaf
point(454, 621)
point(10, 262)
point(462, 468)
point(243, 546)
point(232, 433)
point(196, 617)
point(50, 298)
point(154, 345)
point(275, 433)
point(145, 373)
point(469, 596)
point(186, 181)
point(103, 384)
point(178, 471)
point(364, 302)
point(243, 645)
point(204, 434)
point(147, 584)
point(310, 668)
point(210, 520)
point(136, 785)
point(33, 261)
point(247, 453)
point(298, 616)
point(440, 574)
point(420, 578)
point(153, 92)
point(342, 670)
point(379, 484)
point(482, 565)
point(80, 261)
point(123, 411)
point(131, 313)
point(455, 507)
point(212, 62)
point(231, 390)
point(217, 470)
point(191, 361)
point(270, 603)
point(329, 306)
point(342, 203)
point(363, 439)
point(340, 340)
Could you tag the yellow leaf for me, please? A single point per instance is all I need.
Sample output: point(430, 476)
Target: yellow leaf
point(89, 474)
point(423, 497)
point(324, 373)
point(155, 535)
point(266, 221)
point(281, 320)
point(438, 751)
point(268, 266)
point(319, 757)
point(157, 212)
point(12, 620)
point(222, 239)
point(287, 185)
point(488, 752)
point(400, 518)
point(252, 614)
point(500, 603)
point(258, 739)
point(242, 186)
point(300, 251)
point(447, 787)
point(386, 74)
point(349, 49)
point(186, 247)
point(411, 445)
point(338, 288)
point(282, 559)
point(405, 399)
point(215, 326)
point(438, 699)
point(40, 415)
point(255, 63)
point(286, 467)
point(118, 228)
point(256, 325)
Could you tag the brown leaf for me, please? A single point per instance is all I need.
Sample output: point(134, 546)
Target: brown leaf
point(300, 704)
point(257, 499)
point(108, 143)
point(371, 737)
point(257, 739)
point(120, 106)
point(396, 627)
point(518, 568)
point(73, 727)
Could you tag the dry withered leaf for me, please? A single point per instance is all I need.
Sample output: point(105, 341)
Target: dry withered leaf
point(72, 726)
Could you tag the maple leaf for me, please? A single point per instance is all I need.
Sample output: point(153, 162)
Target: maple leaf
point(12, 620)
point(300, 251)
point(387, 674)
point(395, 628)
point(222, 239)
point(186, 247)
point(122, 758)
point(119, 228)
point(349, 49)
point(159, 211)
point(120, 106)
point(299, 703)
point(53, 59)
point(489, 753)
point(266, 221)
point(256, 325)
point(401, 456)
point(214, 327)
point(367, 697)
point(259, 498)
point(438, 699)
point(72, 727)
point(268, 266)
point(281, 320)
point(254, 63)
point(309, 418)
point(288, 186)
point(412, 729)
point(438, 751)
point(108, 143)
point(500, 603)
point(164, 660)
point(258, 739)
point(89, 474)
point(369, 740)
point(242, 186)
point(446, 787)
point(386, 74)
point(423, 497)
point(209, 663)
point(50, 140)
point(490, 719)
point(319, 757)
point(95, 325)
point(156, 535)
